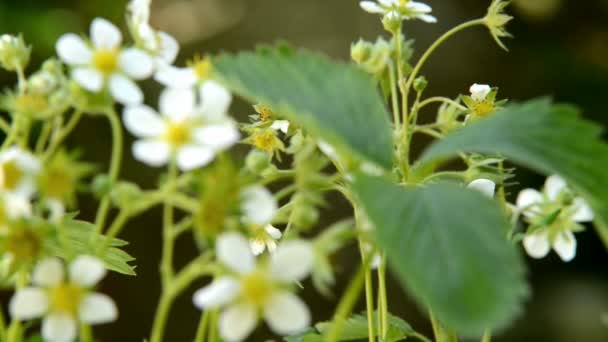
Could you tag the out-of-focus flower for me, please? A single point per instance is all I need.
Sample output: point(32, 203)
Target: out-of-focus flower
point(406, 9)
point(14, 53)
point(482, 101)
point(496, 20)
point(18, 171)
point(106, 63)
point(259, 208)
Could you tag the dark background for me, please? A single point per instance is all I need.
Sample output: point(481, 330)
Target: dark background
point(560, 49)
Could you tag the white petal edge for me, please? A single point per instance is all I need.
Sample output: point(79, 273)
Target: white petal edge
point(88, 78)
point(565, 246)
point(218, 136)
point(169, 47)
point(554, 185)
point(191, 157)
point(136, 63)
point(371, 7)
point(526, 200)
point(479, 92)
point(59, 328)
point(286, 314)
point(73, 50)
point(173, 77)
point(28, 303)
point(258, 205)
point(237, 322)
point(292, 261)
point(125, 91)
point(537, 245)
point(219, 293)
point(104, 34)
point(177, 104)
point(87, 270)
point(151, 152)
point(48, 272)
point(258, 246)
point(97, 308)
point(583, 212)
point(215, 100)
point(273, 232)
point(280, 125)
point(485, 186)
point(142, 121)
point(233, 251)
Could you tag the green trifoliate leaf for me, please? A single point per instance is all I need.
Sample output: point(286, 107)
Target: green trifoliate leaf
point(447, 246)
point(335, 101)
point(549, 138)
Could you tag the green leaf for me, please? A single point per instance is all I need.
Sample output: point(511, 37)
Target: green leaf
point(82, 239)
point(447, 246)
point(549, 138)
point(355, 328)
point(334, 101)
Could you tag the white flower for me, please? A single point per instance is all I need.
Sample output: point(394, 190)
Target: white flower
point(280, 125)
point(18, 171)
point(12, 208)
point(485, 186)
point(106, 63)
point(555, 213)
point(161, 45)
point(259, 208)
point(192, 134)
point(63, 302)
point(407, 9)
point(255, 290)
point(479, 92)
point(198, 71)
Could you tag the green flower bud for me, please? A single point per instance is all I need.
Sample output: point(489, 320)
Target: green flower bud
point(420, 84)
point(360, 51)
point(257, 161)
point(14, 54)
point(125, 194)
point(392, 22)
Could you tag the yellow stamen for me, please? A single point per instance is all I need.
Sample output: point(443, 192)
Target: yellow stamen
point(257, 287)
point(10, 175)
point(265, 141)
point(106, 61)
point(65, 298)
point(177, 133)
point(483, 108)
point(202, 67)
point(264, 111)
point(23, 243)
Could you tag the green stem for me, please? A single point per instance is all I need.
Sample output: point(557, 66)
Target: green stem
point(4, 125)
point(86, 335)
point(160, 318)
point(115, 162)
point(166, 267)
point(382, 299)
point(62, 134)
point(394, 94)
point(487, 336)
point(346, 304)
point(369, 297)
point(440, 99)
point(213, 335)
point(114, 230)
point(2, 326)
point(201, 331)
point(441, 334)
point(43, 138)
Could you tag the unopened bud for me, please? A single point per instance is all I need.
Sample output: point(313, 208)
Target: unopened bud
point(14, 54)
point(392, 21)
point(360, 51)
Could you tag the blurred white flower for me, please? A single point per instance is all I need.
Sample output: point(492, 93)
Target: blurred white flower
point(554, 214)
point(407, 9)
point(479, 92)
point(64, 302)
point(18, 171)
point(106, 63)
point(258, 289)
point(189, 132)
point(259, 208)
point(12, 208)
point(485, 186)
point(197, 72)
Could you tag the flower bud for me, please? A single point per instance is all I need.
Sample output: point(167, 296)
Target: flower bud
point(360, 51)
point(420, 84)
point(257, 161)
point(392, 21)
point(14, 54)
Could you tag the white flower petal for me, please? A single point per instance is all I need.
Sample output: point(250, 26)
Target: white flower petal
point(136, 63)
point(537, 245)
point(292, 261)
point(177, 104)
point(169, 47)
point(191, 157)
point(389, 3)
point(527, 199)
point(87, 270)
point(215, 100)
point(97, 308)
point(258, 205)
point(280, 125)
point(479, 92)
point(28, 303)
point(371, 7)
point(237, 322)
point(152, 152)
point(233, 251)
point(565, 246)
point(89, 78)
point(485, 186)
point(142, 121)
point(219, 293)
point(173, 77)
point(16, 206)
point(419, 7)
point(73, 50)
point(427, 18)
point(48, 272)
point(104, 35)
point(554, 185)
point(258, 246)
point(583, 212)
point(273, 232)
point(218, 136)
point(125, 91)
point(58, 327)
point(286, 314)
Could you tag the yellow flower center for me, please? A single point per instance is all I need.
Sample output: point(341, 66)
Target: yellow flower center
point(256, 288)
point(201, 66)
point(265, 141)
point(10, 175)
point(106, 61)
point(483, 108)
point(177, 133)
point(264, 111)
point(65, 298)
point(23, 243)
point(57, 182)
